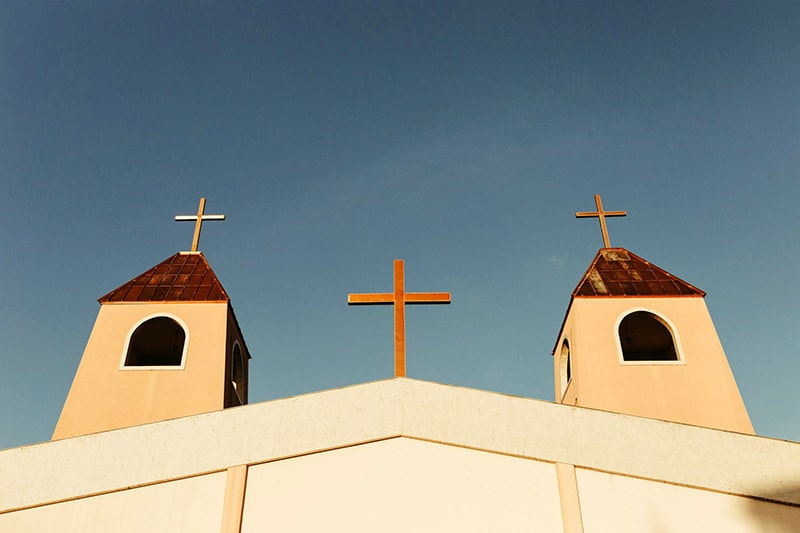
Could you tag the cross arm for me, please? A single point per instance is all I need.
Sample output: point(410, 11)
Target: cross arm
point(184, 218)
point(583, 214)
point(381, 298)
point(428, 297)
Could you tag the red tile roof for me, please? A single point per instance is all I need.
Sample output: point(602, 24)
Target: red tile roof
point(184, 277)
point(618, 272)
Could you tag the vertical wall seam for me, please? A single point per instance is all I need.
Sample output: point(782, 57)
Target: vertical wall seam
point(233, 503)
point(570, 500)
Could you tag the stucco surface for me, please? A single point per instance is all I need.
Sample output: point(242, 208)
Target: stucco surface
point(259, 433)
point(617, 504)
point(101, 395)
point(700, 389)
point(400, 485)
point(192, 505)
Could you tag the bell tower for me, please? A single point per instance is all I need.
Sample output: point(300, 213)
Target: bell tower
point(165, 344)
point(640, 341)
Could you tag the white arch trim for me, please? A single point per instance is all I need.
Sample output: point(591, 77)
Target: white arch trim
point(180, 322)
point(664, 320)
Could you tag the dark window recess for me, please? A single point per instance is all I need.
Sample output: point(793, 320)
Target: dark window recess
point(645, 337)
point(566, 366)
point(157, 342)
point(237, 375)
point(569, 369)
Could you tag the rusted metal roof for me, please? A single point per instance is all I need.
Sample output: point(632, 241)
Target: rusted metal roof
point(618, 272)
point(184, 277)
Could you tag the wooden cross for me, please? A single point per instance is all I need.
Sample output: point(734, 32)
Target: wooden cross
point(602, 216)
point(198, 218)
point(399, 298)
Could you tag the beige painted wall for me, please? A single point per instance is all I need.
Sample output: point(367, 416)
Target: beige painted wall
point(401, 485)
point(700, 390)
point(192, 505)
point(104, 397)
point(618, 504)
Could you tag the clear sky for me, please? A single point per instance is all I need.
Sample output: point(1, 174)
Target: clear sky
point(338, 136)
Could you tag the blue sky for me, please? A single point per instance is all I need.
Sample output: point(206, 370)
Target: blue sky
point(338, 136)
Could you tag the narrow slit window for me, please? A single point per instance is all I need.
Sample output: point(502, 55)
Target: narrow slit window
point(159, 341)
point(565, 367)
point(644, 336)
point(237, 374)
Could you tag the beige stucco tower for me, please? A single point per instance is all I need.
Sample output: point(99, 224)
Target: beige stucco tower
point(638, 340)
point(165, 344)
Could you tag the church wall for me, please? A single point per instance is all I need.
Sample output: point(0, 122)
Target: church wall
point(618, 504)
point(192, 505)
point(470, 420)
point(400, 485)
point(702, 389)
point(101, 396)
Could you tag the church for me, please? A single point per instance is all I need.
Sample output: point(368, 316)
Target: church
point(647, 433)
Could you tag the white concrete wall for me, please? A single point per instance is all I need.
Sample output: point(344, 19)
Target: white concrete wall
point(617, 504)
point(401, 485)
point(192, 505)
point(719, 461)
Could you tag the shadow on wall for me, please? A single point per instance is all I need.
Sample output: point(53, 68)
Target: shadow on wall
point(775, 516)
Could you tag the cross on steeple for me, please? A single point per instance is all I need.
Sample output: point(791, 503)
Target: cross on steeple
point(399, 298)
point(602, 216)
point(198, 218)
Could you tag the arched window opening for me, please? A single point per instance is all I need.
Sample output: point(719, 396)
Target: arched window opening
point(645, 337)
point(159, 341)
point(237, 373)
point(565, 367)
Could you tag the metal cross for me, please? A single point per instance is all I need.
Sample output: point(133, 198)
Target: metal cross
point(198, 218)
point(602, 216)
point(399, 298)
